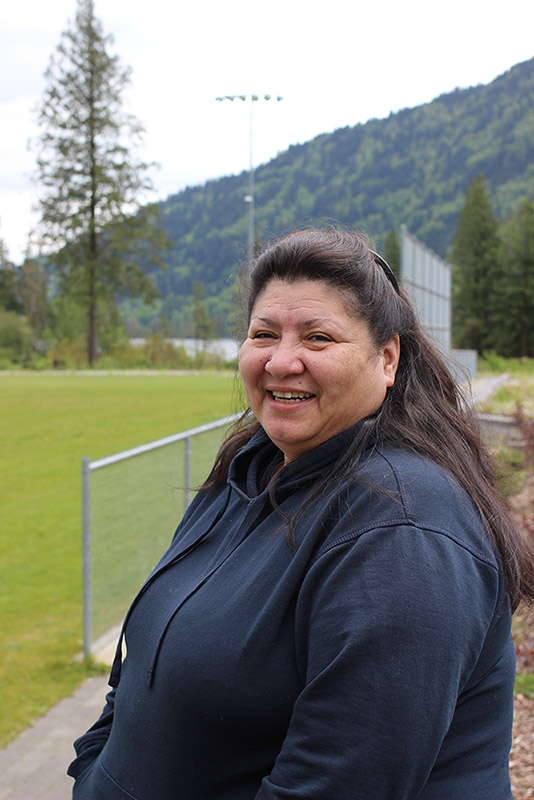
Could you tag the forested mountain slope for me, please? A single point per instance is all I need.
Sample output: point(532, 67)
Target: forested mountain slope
point(412, 167)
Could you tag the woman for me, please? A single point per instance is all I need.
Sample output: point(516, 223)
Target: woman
point(332, 619)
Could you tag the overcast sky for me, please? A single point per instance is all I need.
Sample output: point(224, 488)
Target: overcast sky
point(335, 63)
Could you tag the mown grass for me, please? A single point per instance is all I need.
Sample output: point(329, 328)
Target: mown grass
point(47, 423)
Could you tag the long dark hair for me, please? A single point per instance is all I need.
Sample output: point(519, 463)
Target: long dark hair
point(424, 411)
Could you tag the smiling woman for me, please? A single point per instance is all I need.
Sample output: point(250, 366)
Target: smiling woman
point(310, 369)
point(332, 618)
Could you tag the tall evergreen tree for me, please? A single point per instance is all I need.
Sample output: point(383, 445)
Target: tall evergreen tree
point(93, 182)
point(392, 251)
point(476, 260)
point(33, 293)
point(204, 328)
point(9, 288)
point(517, 322)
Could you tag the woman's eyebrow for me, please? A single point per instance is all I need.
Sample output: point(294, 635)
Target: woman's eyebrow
point(307, 323)
point(266, 320)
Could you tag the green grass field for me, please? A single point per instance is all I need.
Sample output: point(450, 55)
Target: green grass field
point(47, 423)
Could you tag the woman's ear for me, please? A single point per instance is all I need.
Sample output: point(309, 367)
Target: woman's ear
point(390, 356)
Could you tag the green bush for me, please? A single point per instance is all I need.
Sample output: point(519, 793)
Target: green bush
point(7, 363)
point(524, 684)
point(491, 362)
point(510, 473)
point(205, 360)
point(161, 353)
point(123, 355)
point(68, 353)
point(16, 339)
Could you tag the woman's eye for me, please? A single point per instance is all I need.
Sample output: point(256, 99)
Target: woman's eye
point(262, 335)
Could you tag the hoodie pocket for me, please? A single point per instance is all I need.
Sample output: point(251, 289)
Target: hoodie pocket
point(97, 784)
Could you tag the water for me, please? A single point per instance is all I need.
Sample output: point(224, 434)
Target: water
point(227, 348)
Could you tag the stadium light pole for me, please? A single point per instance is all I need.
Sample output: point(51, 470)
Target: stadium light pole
point(249, 198)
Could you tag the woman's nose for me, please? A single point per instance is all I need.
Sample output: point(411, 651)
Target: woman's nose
point(285, 359)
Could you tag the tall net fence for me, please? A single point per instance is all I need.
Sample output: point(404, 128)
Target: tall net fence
point(132, 503)
point(427, 279)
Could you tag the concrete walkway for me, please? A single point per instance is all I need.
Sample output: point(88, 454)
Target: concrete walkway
point(483, 388)
point(33, 767)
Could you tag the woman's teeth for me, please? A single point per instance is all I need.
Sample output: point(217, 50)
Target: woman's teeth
point(291, 397)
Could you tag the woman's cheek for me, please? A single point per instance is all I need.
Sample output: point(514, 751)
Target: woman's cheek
point(249, 367)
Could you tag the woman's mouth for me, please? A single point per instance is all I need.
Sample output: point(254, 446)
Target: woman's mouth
point(290, 397)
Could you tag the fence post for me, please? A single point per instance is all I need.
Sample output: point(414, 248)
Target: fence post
point(88, 467)
point(188, 469)
point(86, 555)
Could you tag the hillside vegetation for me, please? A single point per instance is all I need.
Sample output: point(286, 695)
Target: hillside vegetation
point(412, 167)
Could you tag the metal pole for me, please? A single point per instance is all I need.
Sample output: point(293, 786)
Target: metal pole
point(250, 196)
point(188, 470)
point(251, 190)
point(86, 555)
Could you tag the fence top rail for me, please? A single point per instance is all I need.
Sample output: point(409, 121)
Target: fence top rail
point(176, 437)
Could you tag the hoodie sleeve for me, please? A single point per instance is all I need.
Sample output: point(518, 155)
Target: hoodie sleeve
point(89, 746)
point(389, 628)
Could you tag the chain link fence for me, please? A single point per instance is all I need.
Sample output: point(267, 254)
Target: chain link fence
point(131, 504)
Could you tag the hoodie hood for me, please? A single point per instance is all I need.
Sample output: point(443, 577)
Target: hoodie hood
point(251, 468)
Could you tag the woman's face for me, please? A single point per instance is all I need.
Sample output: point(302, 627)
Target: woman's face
point(309, 368)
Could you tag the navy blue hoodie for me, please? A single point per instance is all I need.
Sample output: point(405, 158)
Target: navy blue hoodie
point(372, 660)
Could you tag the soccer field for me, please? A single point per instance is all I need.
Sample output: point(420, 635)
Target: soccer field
point(47, 423)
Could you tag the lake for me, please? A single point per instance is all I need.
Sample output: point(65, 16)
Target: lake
point(227, 348)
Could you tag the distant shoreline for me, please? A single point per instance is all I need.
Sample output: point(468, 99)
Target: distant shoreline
point(103, 372)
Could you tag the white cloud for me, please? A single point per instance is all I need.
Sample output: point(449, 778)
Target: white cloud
point(335, 64)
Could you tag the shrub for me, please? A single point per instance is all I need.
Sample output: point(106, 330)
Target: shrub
point(16, 339)
point(68, 353)
point(160, 352)
point(491, 362)
point(123, 355)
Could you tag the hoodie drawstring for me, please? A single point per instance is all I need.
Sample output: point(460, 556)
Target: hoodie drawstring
point(116, 669)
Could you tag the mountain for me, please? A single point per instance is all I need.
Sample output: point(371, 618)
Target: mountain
point(412, 167)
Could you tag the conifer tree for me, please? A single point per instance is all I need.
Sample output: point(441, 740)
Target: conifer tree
point(476, 276)
point(392, 251)
point(102, 239)
point(33, 293)
point(204, 329)
point(517, 323)
point(9, 289)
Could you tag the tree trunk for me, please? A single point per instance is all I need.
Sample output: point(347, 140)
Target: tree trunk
point(92, 302)
point(91, 328)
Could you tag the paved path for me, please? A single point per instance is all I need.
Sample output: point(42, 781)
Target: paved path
point(33, 767)
point(483, 388)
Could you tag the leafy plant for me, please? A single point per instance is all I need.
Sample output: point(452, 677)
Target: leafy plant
point(16, 338)
point(524, 684)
